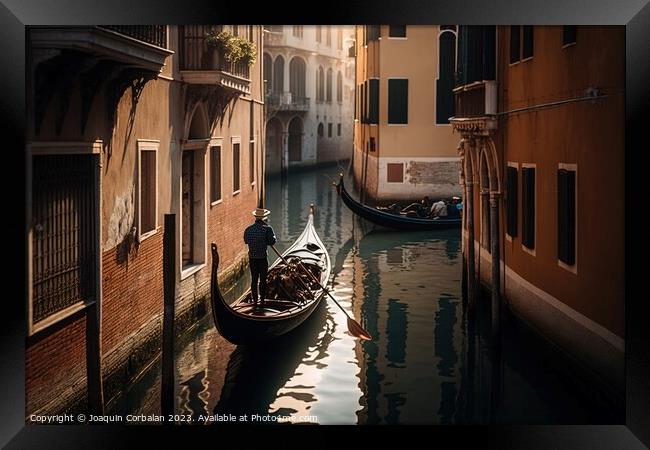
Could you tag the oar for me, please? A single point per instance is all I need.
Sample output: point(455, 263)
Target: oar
point(354, 328)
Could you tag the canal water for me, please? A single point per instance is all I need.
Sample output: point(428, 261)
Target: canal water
point(424, 364)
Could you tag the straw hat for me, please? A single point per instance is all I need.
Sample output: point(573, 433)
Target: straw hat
point(261, 213)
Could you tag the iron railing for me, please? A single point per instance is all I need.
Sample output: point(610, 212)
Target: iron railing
point(195, 54)
point(288, 103)
point(152, 34)
point(63, 243)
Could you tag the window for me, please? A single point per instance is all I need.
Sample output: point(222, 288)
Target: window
point(321, 129)
point(372, 145)
point(398, 31)
point(528, 42)
point(251, 160)
point(528, 207)
point(297, 31)
point(320, 77)
point(329, 85)
point(319, 33)
point(514, 43)
point(148, 191)
point(278, 75)
point(372, 32)
point(297, 76)
point(339, 39)
point(215, 173)
point(268, 73)
point(329, 35)
point(519, 51)
point(445, 82)
point(364, 109)
point(569, 33)
point(566, 216)
point(235, 167)
point(329, 130)
point(398, 101)
point(338, 129)
point(511, 201)
point(339, 87)
point(395, 172)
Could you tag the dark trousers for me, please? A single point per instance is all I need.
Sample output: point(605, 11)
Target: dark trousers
point(259, 268)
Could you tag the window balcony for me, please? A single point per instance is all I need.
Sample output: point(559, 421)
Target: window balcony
point(475, 106)
point(142, 46)
point(286, 102)
point(202, 64)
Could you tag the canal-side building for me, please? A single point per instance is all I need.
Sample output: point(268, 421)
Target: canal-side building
point(539, 112)
point(125, 125)
point(309, 78)
point(404, 147)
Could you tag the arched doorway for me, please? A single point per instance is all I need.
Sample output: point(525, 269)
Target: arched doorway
point(295, 139)
point(273, 164)
point(192, 189)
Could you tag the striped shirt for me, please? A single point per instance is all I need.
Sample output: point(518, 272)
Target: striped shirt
point(258, 236)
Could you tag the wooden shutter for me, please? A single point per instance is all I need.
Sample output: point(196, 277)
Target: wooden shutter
point(511, 201)
point(398, 101)
point(514, 43)
point(566, 216)
point(528, 203)
point(528, 41)
point(373, 115)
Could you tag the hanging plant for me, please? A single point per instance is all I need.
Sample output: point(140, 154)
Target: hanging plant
point(248, 52)
point(218, 39)
point(234, 49)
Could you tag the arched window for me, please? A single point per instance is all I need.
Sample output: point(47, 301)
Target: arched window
point(319, 33)
point(297, 69)
point(339, 87)
point(445, 82)
point(321, 129)
point(278, 75)
point(329, 85)
point(329, 35)
point(268, 72)
point(339, 38)
point(321, 84)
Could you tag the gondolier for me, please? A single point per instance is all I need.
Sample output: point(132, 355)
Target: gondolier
point(258, 236)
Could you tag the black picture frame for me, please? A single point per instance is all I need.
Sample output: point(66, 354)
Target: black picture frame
point(16, 14)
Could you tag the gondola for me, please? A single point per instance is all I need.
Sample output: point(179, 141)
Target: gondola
point(243, 323)
point(394, 221)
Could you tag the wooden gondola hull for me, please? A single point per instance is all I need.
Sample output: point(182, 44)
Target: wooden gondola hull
point(393, 221)
point(245, 331)
point(241, 324)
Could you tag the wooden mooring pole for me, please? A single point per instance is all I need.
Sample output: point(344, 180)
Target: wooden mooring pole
point(169, 283)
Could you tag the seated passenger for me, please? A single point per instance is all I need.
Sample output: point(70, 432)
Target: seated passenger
point(438, 209)
point(393, 209)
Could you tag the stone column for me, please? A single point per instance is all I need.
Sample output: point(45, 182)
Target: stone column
point(468, 209)
point(496, 266)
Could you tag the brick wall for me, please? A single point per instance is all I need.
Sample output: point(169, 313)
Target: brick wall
point(55, 369)
point(132, 283)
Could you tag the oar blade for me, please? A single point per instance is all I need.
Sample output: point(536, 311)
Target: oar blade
point(357, 330)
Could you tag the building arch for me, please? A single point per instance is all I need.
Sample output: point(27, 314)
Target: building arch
point(295, 131)
point(297, 77)
point(278, 75)
point(484, 190)
point(197, 126)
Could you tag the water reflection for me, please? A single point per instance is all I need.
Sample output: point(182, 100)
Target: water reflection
point(424, 365)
